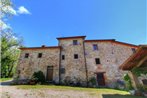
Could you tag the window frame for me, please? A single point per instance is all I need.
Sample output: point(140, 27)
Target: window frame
point(75, 42)
point(95, 47)
point(97, 61)
point(26, 55)
point(62, 70)
point(63, 57)
point(133, 50)
point(40, 55)
point(76, 56)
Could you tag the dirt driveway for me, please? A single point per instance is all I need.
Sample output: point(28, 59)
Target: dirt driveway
point(52, 91)
point(14, 92)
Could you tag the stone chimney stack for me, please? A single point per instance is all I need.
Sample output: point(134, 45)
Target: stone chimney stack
point(43, 46)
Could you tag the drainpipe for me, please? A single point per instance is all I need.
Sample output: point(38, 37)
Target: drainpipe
point(59, 66)
point(86, 70)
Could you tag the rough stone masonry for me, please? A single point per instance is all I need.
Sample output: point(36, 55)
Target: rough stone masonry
point(77, 61)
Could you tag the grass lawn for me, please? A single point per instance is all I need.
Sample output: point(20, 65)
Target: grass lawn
point(64, 88)
point(5, 79)
point(92, 92)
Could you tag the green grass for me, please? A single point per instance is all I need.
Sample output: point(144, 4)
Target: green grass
point(5, 79)
point(121, 96)
point(61, 88)
point(90, 92)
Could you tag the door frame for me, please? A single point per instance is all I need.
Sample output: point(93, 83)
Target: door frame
point(51, 67)
point(104, 79)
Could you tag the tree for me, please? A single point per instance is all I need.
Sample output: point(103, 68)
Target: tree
point(9, 53)
point(9, 42)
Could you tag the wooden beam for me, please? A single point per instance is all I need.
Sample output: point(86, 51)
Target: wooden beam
point(142, 61)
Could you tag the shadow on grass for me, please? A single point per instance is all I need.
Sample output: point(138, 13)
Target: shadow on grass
point(120, 96)
point(6, 83)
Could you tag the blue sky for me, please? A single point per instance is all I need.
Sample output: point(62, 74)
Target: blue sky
point(123, 20)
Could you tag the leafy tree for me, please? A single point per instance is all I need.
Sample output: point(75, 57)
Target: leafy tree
point(9, 41)
point(9, 53)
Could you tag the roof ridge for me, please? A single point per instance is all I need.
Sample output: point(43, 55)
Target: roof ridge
point(70, 37)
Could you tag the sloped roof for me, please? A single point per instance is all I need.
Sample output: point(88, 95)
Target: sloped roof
point(133, 60)
point(32, 48)
point(113, 41)
point(60, 38)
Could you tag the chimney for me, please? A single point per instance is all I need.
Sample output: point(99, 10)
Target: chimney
point(43, 46)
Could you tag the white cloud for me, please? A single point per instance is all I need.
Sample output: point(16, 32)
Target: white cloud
point(23, 10)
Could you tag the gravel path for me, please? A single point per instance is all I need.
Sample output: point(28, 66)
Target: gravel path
point(14, 92)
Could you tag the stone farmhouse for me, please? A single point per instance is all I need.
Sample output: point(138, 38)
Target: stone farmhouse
point(76, 60)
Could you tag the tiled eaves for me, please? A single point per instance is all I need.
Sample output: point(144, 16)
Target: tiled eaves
point(113, 41)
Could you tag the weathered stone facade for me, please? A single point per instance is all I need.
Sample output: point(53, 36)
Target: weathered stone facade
point(74, 68)
point(75, 62)
point(50, 57)
point(111, 56)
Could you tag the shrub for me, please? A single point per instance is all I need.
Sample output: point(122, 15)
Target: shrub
point(68, 81)
point(92, 82)
point(120, 84)
point(38, 77)
point(128, 82)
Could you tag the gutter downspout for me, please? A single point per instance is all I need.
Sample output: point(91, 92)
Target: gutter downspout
point(59, 65)
point(85, 64)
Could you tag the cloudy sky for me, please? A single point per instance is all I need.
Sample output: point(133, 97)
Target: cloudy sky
point(41, 21)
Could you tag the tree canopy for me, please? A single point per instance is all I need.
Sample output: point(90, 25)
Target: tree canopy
point(9, 41)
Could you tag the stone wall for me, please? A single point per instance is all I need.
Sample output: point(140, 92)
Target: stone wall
point(74, 68)
point(110, 53)
point(50, 57)
point(111, 56)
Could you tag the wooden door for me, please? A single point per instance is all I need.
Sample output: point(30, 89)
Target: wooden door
point(100, 79)
point(49, 73)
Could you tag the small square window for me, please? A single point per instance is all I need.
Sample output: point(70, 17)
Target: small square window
point(39, 55)
point(63, 57)
point(75, 42)
point(133, 50)
point(95, 47)
point(144, 81)
point(18, 71)
point(97, 60)
point(27, 55)
point(62, 70)
point(75, 56)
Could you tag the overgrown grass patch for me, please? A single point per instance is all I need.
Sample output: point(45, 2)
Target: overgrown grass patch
point(5, 79)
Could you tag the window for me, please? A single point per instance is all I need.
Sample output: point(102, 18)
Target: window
point(144, 81)
point(62, 70)
point(39, 55)
point(26, 55)
point(75, 42)
point(63, 57)
point(75, 56)
point(95, 47)
point(18, 71)
point(133, 50)
point(97, 61)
